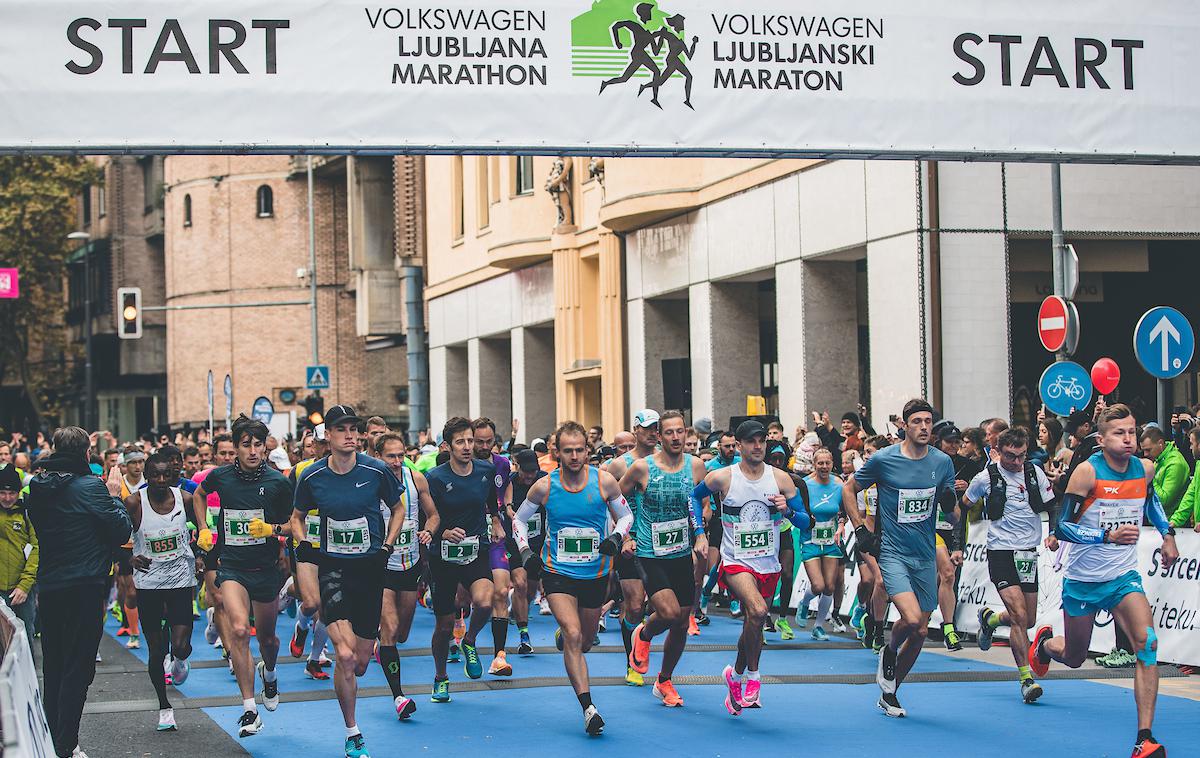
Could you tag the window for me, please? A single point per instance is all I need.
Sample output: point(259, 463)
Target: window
point(101, 202)
point(482, 188)
point(524, 175)
point(457, 222)
point(149, 184)
point(266, 202)
point(187, 210)
point(494, 173)
point(85, 205)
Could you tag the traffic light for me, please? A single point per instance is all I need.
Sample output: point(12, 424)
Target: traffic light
point(314, 410)
point(129, 313)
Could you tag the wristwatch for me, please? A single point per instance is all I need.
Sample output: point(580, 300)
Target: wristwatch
point(388, 548)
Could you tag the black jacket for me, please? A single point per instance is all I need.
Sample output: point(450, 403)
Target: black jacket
point(78, 523)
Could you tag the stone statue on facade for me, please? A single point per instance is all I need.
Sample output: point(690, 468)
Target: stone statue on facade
point(558, 184)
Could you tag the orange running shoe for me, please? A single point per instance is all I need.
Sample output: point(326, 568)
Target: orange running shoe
point(1148, 748)
point(639, 657)
point(693, 629)
point(1036, 664)
point(665, 691)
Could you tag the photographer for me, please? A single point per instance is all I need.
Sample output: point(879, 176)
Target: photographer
point(1182, 423)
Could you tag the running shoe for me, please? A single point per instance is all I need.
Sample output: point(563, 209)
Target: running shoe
point(289, 608)
point(441, 691)
point(801, 620)
point(99, 659)
point(885, 676)
point(405, 707)
point(299, 637)
point(166, 720)
point(950, 638)
point(768, 626)
point(179, 671)
point(249, 724)
point(592, 723)
point(702, 617)
point(986, 630)
point(558, 640)
point(471, 664)
point(195, 610)
point(313, 670)
point(838, 626)
point(615, 613)
point(1036, 664)
point(819, 634)
point(639, 657)
point(500, 666)
point(735, 609)
point(603, 625)
point(1149, 748)
point(526, 647)
point(891, 706)
point(856, 618)
point(877, 643)
point(543, 606)
point(270, 690)
point(356, 747)
point(693, 628)
point(665, 691)
point(704, 604)
point(751, 690)
point(78, 753)
point(324, 660)
point(134, 642)
point(633, 678)
point(1030, 690)
point(784, 629)
point(454, 654)
point(1117, 659)
point(733, 700)
point(123, 631)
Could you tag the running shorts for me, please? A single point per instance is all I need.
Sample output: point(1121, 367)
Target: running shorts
point(900, 576)
point(627, 567)
point(589, 593)
point(402, 581)
point(174, 606)
point(1004, 571)
point(352, 590)
point(533, 570)
point(123, 557)
point(766, 582)
point(811, 551)
point(306, 553)
point(714, 531)
point(673, 574)
point(498, 555)
point(1084, 598)
point(445, 579)
point(262, 585)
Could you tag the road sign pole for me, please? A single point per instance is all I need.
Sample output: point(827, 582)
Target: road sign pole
point(1162, 404)
point(1058, 241)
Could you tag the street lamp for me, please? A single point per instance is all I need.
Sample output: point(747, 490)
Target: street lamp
point(89, 421)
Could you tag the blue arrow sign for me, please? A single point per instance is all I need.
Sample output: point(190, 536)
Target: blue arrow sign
point(316, 378)
point(1065, 386)
point(1164, 342)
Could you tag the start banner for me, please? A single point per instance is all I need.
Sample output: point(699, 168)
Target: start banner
point(1095, 80)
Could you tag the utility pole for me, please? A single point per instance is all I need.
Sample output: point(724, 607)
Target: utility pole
point(312, 269)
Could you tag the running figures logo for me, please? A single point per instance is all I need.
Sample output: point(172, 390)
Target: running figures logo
point(620, 40)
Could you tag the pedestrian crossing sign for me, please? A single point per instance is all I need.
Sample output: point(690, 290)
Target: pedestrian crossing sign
point(316, 378)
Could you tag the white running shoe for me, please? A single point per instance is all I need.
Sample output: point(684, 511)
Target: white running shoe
point(250, 723)
point(543, 606)
point(891, 706)
point(179, 671)
point(592, 723)
point(78, 753)
point(210, 631)
point(885, 675)
point(166, 720)
point(270, 690)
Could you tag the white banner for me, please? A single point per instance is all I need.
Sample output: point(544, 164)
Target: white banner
point(1072, 79)
point(22, 716)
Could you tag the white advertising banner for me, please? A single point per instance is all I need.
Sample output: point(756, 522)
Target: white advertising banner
point(23, 729)
point(1073, 79)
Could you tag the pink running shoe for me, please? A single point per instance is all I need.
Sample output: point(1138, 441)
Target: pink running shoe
point(733, 701)
point(750, 693)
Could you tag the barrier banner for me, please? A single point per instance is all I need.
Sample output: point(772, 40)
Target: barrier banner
point(22, 716)
point(1096, 80)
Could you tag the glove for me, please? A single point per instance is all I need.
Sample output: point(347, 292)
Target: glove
point(867, 540)
point(259, 529)
point(611, 544)
point(206, 540)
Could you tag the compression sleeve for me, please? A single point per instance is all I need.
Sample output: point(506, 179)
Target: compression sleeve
point(1156, 514)
point(520, 525)
point(619, 508)
point(696, 512)
point(1068, 530)
point(799, 514)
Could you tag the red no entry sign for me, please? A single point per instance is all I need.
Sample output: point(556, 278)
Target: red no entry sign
point(1053, 322)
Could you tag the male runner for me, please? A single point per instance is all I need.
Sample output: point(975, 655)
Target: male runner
point(132, 463)
point(577, 501)
point(1017, 493)
point(165, 574)
point(404, 567)
point(913, 479)
point(464, 494)
point(307, 555)
point(255, 499)
point(526, 578)
point(754, 498)
point(484, 431)
point(346, 489)
point(1106, 499)
point(633, 593)
point(664, 530)
point(726, 456)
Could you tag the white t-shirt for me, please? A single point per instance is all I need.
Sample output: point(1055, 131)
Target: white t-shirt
point(1021, 527)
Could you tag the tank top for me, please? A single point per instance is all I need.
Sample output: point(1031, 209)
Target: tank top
point(662, 527)
point(825, 503)
point(576, 522)
point(750, 525)
point(408, 551)
point(1116, 499)
point(165, 541)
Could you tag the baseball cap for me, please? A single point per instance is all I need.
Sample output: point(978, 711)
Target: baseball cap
point(703, 426)
point(646, 417)
point(748, 429)
point(341, 414)
point(280, 458)
point(1076, 420)
point(527, 461)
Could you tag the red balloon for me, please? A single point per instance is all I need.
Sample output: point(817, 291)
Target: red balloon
point(1106, 375)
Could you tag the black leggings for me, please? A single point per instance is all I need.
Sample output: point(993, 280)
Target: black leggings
point(787, 573)
point(157, 609)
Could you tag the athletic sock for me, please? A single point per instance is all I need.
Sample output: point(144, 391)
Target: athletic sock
point(304, 621)
point(992, 619)
point(522, 628)
point(585, 699)
point(1143, 735)
point(823, 608)
point(499, 633)
point(250, 705)
point(710, 582)
point(1024, 673)
point(663, 679)
point(352, 731)
point(642, 635)
point(268, 674)
point(131, 615)
point(319, 636)
point(627, 635)
point(753, 676)
point(389, 656)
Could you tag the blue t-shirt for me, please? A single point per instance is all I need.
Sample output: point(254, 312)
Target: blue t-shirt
point(187, 485)
point(351, 524)
point(716, 464)
point(464, 501)
point(908, 494)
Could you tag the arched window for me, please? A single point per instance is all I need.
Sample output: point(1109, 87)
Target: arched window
point(266, 202)
point(187, 210)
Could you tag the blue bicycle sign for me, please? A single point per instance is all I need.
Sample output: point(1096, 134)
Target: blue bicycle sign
point(1065, 386)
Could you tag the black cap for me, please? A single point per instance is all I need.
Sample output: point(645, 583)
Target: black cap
point(1076, 420)
point(341, 414)
point(527, 461)
point(10, 479)
point(748, 429)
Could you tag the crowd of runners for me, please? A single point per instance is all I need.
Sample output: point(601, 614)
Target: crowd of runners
point(353, 531)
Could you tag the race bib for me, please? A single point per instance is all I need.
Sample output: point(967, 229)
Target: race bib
point(915, 505)
point(164, 544)
point(753, 539)
point(352, 537)
point(578, 545)
point(406, 542)
point(1027, 563)
point(535, 525)
point(460, 552)
point(237, 527)
point(943, 522)
point(1113, 516)
point(824, 533)
point(312, 530)
point(669, 537)
point(872, 498)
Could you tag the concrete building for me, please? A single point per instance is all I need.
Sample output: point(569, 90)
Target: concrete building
point(238, 234)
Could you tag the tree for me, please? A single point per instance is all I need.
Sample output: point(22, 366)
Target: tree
point(37, 211)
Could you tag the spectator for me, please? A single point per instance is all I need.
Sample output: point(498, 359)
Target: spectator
point(18, 550)
point(595, 437)
point(1189, 508)
point(80, 521)
point(1170, 468)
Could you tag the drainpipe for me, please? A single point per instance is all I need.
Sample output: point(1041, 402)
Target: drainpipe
point(418, 356)
point(935, 285)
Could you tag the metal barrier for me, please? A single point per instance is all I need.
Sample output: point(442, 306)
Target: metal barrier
point(23, 729)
